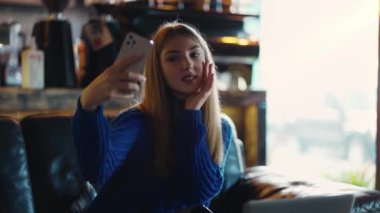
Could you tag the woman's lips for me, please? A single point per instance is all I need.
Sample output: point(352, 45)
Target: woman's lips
point(189, 78)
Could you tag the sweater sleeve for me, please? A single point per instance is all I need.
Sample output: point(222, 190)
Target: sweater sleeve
point(101, 148)
point(199, 178)
point(90, 130)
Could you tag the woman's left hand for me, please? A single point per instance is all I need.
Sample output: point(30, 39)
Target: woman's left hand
point(196, 100)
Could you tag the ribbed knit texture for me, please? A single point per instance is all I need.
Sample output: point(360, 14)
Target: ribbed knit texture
point(118, 161)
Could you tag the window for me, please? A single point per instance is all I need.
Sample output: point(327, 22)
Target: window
point(318, 63)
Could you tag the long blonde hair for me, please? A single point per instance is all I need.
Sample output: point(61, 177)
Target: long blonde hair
point(158, 105)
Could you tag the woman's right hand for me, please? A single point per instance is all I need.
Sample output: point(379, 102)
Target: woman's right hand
point(115, 81)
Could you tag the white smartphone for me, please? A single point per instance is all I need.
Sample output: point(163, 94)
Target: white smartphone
point(135, 44)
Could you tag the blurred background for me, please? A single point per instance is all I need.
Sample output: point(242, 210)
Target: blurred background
point(317, 61)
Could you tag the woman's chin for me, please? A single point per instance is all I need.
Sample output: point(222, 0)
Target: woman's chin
point(182, 95)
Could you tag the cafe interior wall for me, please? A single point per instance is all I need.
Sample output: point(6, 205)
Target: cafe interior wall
point(27, 16)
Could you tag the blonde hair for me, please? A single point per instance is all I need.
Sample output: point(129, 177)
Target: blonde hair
point(159, 105)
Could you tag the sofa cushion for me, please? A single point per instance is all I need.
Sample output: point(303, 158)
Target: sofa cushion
point(15, 188)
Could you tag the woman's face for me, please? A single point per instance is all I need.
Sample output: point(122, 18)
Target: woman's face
point(182, 60)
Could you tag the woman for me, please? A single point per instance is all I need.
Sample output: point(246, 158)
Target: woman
point(167, 153)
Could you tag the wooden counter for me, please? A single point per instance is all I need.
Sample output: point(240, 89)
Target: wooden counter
point(246, 108)
point(17, 102)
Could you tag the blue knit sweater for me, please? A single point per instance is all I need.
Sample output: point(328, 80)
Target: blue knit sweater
point(118, 160)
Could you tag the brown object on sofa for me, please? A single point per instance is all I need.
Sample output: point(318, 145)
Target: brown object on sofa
point(269, 184)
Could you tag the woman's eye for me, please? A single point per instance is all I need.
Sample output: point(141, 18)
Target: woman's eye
point(172, 58)
point(195, 54)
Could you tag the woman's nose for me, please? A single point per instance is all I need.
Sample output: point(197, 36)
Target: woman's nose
point(186, 64)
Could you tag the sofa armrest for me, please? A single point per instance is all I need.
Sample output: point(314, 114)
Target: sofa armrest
point(235, 163)
point(15, 186)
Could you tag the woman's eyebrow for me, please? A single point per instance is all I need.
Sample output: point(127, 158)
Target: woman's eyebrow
point(194, 47)
point(171, 51)
point(177, 51)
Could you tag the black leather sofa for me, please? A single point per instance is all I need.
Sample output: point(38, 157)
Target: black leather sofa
point(39, 172)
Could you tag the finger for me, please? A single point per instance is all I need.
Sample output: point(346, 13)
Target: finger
point(204, 77)
point(209, 79)
point(122, 64)
point(128, 87)
point(209, 84)
point(205, 73)
point(211, 71)
point(119, 94)
point(132, 76)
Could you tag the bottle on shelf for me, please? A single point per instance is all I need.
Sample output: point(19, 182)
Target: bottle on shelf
point(32, 66)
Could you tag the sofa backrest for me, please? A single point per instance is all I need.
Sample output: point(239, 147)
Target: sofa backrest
point(39, 169)
point(15, 190)
point(54, 171)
